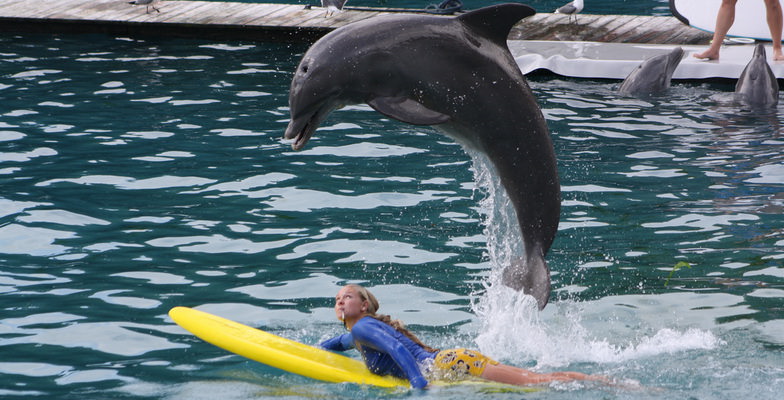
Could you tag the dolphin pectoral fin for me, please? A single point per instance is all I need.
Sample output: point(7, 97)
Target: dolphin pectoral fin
point(407, 110)
point(532, 277)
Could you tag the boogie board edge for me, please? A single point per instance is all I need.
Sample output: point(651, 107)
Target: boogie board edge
point(276, 351)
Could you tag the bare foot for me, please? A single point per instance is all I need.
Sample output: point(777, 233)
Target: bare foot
point(709, 54)
point(778, 55)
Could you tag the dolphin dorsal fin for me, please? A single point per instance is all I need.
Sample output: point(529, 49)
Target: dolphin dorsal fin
point(495, 22)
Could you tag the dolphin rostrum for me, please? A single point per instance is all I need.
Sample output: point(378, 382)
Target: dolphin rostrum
point(458, 75)
point(757, 85)
point(653, 75)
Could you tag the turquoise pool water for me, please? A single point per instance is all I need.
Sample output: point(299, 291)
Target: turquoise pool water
point(139, 174)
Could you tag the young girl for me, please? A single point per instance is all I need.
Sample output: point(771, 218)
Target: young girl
point(390, 349)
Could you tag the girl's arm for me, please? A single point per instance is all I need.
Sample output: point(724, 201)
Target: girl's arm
point(368, 334)
point(338, 343)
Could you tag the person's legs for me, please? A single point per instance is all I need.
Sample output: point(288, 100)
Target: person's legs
point(458, 363)
point(774, 16)
point(518, 376)
point(724, 21)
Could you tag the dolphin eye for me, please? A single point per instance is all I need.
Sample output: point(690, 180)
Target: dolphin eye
point(305, 68)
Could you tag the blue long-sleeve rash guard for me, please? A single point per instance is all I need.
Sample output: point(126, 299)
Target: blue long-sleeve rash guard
point(385, 350)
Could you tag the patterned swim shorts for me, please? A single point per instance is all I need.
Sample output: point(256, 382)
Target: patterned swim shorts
point(463, 362)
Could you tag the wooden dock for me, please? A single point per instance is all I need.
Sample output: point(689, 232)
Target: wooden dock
point(256, 21)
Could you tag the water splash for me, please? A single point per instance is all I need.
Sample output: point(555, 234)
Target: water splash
point(513, 329)
point(501, 228)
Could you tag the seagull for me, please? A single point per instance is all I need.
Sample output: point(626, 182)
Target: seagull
point(332, 6)
point(148, 3)
point(571, 8)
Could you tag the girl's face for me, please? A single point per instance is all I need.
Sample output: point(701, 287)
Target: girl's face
point(349, 304)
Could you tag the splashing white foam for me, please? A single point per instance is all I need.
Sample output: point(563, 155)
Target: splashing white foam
point(501, 227)
point(512, 329)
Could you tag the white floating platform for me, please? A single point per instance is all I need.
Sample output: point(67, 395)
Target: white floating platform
point(617, 60)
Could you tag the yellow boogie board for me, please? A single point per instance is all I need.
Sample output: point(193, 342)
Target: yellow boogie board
point(291, 356)
point(277, 351)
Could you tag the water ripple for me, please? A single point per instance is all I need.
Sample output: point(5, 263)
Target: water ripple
point(142, 174)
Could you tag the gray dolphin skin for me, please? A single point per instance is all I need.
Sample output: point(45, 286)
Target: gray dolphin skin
point(757, 85)
point(455, 74)
point(653, 75)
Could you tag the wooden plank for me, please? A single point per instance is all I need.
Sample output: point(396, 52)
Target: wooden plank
point(339, 19)
point(179, 13)
point(311, 17)
point(660, 31)
point(10, 4)
point(181, 17)
point(16, 8)
point(234, 14)
point(261, 19)
point(623, 31)
point(546, 27)
point(524, 28)
point(691, 36)
point(113, 11)
point(318, 19)
point(256, 11)
point(608, 32)
point(130, 10)
point(274, 17)
point(583, 29)
point(683, 34)
point(169, 10)
point(125, 12)
point(98, 6)
point(634, 31)
point(220, 15)
point(603, 21)
point(48, 11)
point(292, 19)
point(347, 17)
point(68, 9)
point(637, 34)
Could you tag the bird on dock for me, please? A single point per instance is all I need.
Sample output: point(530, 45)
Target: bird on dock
point(332, 6)
point(147, 3)
point(571, 9)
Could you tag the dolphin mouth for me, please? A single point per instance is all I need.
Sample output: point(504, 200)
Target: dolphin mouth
point(301, 129)
point(303, 134)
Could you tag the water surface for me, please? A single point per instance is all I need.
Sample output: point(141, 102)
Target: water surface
point(138, 175)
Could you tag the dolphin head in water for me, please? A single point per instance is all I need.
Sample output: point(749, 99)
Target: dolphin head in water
point(653, 75)
point(757, 86)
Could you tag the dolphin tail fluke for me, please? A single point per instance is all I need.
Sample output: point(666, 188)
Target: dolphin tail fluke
point(532, 277)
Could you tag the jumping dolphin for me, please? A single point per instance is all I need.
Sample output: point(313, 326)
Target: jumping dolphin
point(653, 75)
point(458, 75)
point(757, 85)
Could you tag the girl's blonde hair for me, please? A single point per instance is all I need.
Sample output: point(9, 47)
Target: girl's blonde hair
point(394, 323)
